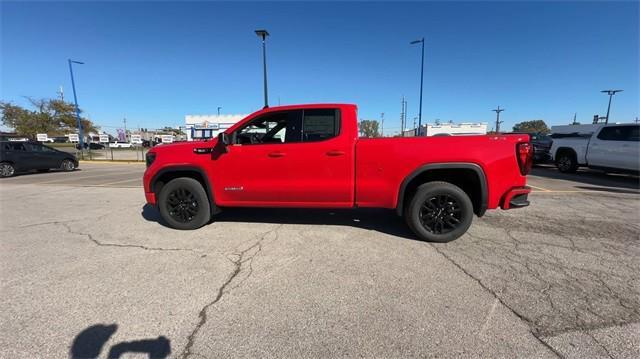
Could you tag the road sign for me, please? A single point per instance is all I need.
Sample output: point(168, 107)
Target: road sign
point(167, 138)
point(73, 137)
point(104, 138)
point(42, 137)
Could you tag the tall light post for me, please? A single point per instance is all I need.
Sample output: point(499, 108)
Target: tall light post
point(498, 122)
point(419, 131)
point(75, 99)
point(219, 107)
point(263, 34)
point(610, 93)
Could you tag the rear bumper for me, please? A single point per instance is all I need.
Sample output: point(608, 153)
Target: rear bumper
point(516, 198)
point(150, 197)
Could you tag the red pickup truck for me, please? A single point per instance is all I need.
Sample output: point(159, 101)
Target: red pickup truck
point(310, 156)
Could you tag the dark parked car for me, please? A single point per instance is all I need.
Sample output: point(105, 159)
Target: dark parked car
point(541, 146)
point(25, 156)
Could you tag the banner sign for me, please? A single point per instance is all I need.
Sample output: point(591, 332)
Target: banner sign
point(42, 137)
point(73, 137)
point(104, 138)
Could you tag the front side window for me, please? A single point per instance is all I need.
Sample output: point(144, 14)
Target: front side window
point(320, 124)
point(272, 128)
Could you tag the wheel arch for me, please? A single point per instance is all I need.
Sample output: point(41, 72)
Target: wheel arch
point(163, 176)
point(564, 149)
point(474, 186)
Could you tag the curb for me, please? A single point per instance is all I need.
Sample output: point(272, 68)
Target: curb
point(131, 162)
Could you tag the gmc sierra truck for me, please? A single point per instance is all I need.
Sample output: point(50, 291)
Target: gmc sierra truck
point(310, 156)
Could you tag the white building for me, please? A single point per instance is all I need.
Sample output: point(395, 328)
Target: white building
point(450, 129)
point(208, 126)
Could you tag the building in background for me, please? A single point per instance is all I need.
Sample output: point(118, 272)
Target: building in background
point(208, 126)
point(451, 129)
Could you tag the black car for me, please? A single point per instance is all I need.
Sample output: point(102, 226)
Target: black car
point(25, 156)
point(541, 146)
point(91, 146)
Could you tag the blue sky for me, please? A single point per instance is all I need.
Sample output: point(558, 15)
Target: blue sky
point(155, 62)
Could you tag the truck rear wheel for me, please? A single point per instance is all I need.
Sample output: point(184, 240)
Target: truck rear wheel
point(566, 162)
point(183, 204)
point(439, 212)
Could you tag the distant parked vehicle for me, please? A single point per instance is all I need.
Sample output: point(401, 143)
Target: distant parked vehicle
point(612, 148)
point(25, 156)
point(120, 145)
point(60, 139)
point(541, 146)
point(96, 146)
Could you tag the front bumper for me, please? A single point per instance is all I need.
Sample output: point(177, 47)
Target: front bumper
point(150, 197)
point(516, 198)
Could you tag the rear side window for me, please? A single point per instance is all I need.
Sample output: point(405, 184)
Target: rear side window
point(619, 133)
point(320, 124)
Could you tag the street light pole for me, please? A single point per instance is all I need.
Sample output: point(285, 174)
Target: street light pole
point(75, 99)
point(263, 34)
point(498, 122)
point(219, 107)
point(419, 133)
point(610, 93)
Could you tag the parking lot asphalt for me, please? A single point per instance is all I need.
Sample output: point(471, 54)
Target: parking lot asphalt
point(87, 268)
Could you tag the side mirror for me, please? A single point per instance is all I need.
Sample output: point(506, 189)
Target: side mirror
point(224, 139)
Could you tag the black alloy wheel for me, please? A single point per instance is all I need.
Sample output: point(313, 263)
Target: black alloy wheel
point(184, 204)
point(440, 214)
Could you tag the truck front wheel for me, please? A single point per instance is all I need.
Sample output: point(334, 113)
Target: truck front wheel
point(183, 204)
point(439, 212)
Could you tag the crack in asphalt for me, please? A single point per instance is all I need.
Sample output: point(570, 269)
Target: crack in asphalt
point(121, 245)
point(242, 258)
point(495, 295)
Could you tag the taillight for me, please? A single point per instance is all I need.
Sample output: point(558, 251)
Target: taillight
point(524, 151)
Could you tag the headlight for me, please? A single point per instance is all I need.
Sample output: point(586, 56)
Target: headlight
point(150, 157)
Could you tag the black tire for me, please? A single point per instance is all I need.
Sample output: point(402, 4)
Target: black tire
point(7, 169)
point(439, 212)
point(67, 165)
point(183, 204)
point(566, 162)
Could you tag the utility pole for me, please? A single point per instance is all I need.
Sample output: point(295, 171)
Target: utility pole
point(414, 123)
point(498, 122)
point(61, 93)
point(219, 107)
point(125, 128)
point(382, 124)
point(610, 93)
point(574, 118)
point(403, 116)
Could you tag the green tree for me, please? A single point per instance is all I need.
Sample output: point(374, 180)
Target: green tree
point(532, 126)
point(50, 116)
point(369, 128)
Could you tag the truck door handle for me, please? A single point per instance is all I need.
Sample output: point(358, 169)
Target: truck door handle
point(276, 154)
point(335, 153)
